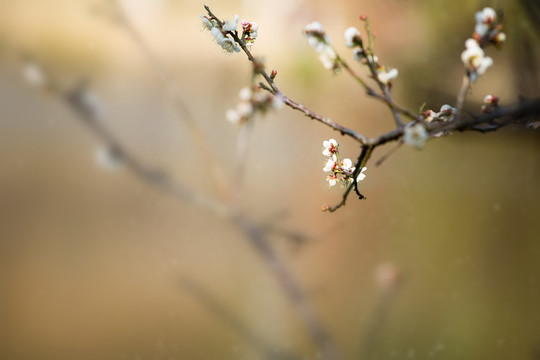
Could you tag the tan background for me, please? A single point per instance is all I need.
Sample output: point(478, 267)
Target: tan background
point(93, 263)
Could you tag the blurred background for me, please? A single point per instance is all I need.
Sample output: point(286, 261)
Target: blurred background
point(441, 261)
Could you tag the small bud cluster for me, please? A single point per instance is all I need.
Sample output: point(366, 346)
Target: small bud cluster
point(220, 32)
point(490, 103)
point(320, 41)
point(250, 102)
point(342, 170)
point(446, 113)
point(487, 31)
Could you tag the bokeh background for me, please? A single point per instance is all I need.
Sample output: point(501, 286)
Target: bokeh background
point(441, 261)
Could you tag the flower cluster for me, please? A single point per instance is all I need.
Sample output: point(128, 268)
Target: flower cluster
point(220, 32)
point(353, 40)
point(320, 41)
point(487, 31)
point(250, 102)
point(490, 103)
point(342, 170)
point(446, 113)
point(250, 31)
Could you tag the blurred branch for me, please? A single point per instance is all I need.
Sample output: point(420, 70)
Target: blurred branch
point(212, 304)
point(120, 17)
point(317, 331)
point(89, 111)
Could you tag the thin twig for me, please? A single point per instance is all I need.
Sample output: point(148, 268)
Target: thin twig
point(76, 99)
point(462, 95)
point(317, 331)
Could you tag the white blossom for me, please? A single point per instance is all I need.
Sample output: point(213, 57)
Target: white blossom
point(229, 45)
point(330, 147)
point(320, 41)
point(207, 23)
point(361, 176)
point(415, 135)
point(347, 165)
point(474, 60)
point(233, 116)
point(481, 29)
point(385, 76)
point(330, 164)
point(250, 30)
point(328, 57)
point(230, 25)
point(314, 27)
point(447, 112)
point(486, 16)
point(500, 38)
point(332, 180)
point(217, 34)
point(352, 37)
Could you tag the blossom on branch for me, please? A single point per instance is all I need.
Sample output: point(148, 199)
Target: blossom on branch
point(220, 32)
point(320, 41)
point(330, 147)
point(446, 113)
point(352, 37)
point(487, 28)
point(342, 170)
point(230, 25)
point(474, 59)
point(250, 31)
point(415, 135)
point(384, 75)
point(330, 165)
point(361, 176)
point(251, 102)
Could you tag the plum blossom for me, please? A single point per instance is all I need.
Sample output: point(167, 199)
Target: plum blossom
point(207, 23)
point(330, 147)
point(385, 75)
point(341, 170)
point(487, 28)
point(361, 176)
point(415, 135)
point(220, 31)
point(330, 165)
point(250, 31)
point(251, 101)
point(332, 180)
point(352, 37)
point(230, 25)
point(474, 59)
point(229, 45)
point(484, 19)
point(320, 41)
